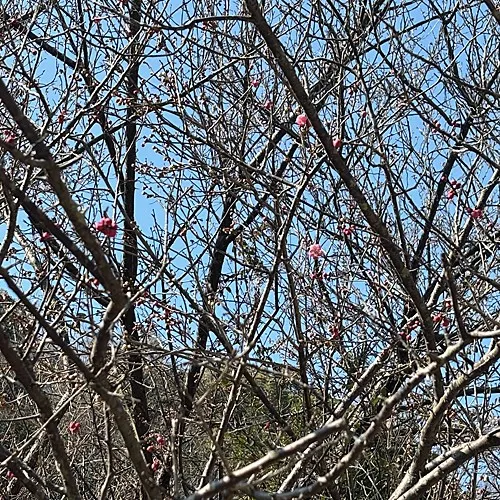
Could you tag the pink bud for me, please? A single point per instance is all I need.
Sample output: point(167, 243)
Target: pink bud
point(413, 324)
point(477, 213)
point(155, 465)
point(10, 475)
point(107, 226)
point(445, 322)
point(315, 251)
point(302, 120)
point(74, 427)
point(337, 143)
point(450, 194)
point(437, 318)
point(255, 83)
point(405, 336)
point(150, 448)
point(46, 236)
point(160, 440)
point(268, 105)
point(364, 113)
point(334, 332)
point(10, 137)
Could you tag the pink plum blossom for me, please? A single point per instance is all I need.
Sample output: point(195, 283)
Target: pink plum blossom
point(335, 332)
point(268, 105)
point(437, 318)
point(302, 120)
point(315, 251)
point(107, 226)
point(450, 194)
point(10, 137)
point(46, 236)
point(74, 427)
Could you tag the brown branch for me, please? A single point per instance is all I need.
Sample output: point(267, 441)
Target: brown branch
point(101, 387)
point(269, 459)
point(455, 458)
point(26, 377)
point(22, 471)
point(431, 427)
point(375, 223)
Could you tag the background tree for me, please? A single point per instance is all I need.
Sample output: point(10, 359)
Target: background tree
point(249, 250)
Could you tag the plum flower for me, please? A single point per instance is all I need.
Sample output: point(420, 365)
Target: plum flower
point(450, 194)
point(160, 440)
point(477, 213)
point(334, 332)
point(405, 336)
point(445, 322)
point(301, 120)
point(155, 465)
point(348, 230)
point(107, 226)
point(255, 83)
point(268, 105)
point(337, 143)
point(315, 251)
point(74, 427)
point(46, 236)
point(437, 318)
point(10, 137)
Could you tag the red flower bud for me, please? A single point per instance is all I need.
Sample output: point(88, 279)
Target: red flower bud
point(74, 427)
point(107, 226)
point(46, 236)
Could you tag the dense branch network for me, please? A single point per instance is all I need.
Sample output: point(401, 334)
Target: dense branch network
point(249, 249)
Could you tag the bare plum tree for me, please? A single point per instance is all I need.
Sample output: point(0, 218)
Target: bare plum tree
point(249, 249)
